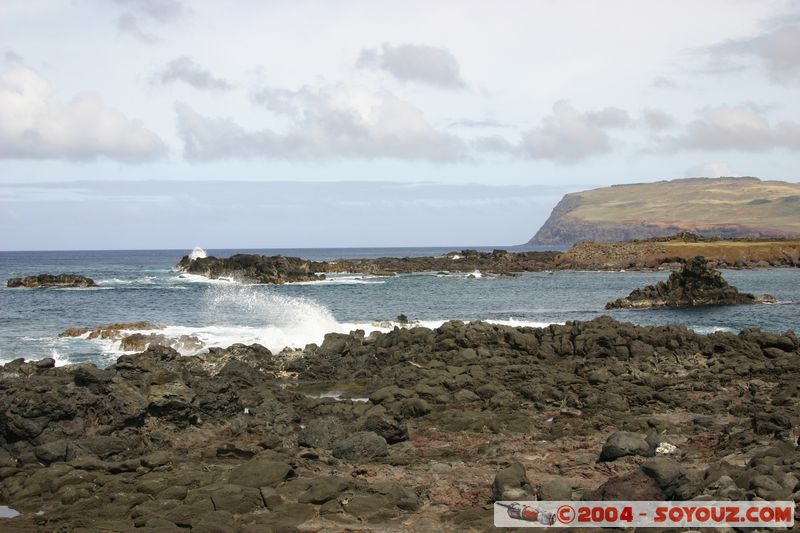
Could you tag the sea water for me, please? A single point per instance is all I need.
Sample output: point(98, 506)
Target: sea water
point(143, 286)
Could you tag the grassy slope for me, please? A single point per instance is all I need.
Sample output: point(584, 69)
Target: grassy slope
point(696, 202)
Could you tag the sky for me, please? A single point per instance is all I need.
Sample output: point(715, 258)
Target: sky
point(171, 124)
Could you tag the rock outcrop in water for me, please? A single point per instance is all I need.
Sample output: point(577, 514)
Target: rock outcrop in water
point(51, 280)
point(653, 254)
point(695, 284)
point(251, 268)
point(240, 439)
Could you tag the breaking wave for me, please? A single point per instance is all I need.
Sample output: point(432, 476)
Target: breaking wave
point(197, 253)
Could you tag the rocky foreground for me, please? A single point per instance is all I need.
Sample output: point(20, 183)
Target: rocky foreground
point(695, 284)
point(430, 427)
point(51, 280)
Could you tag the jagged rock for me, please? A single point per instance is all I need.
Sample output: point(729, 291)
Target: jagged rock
point(51, 280)
point(696, 284)
point(251, 268)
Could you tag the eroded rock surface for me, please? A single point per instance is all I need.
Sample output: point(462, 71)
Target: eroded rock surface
point(456, 417)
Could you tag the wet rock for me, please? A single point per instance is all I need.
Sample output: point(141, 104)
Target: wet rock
point(623, 443)
point(361, 445)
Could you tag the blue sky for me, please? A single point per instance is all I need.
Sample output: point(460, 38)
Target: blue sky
point(112, 113)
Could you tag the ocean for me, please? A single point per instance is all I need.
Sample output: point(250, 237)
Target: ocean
point(142, 286)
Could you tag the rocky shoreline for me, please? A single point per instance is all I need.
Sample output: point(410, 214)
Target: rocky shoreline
point(415, 429)
point(653, 254)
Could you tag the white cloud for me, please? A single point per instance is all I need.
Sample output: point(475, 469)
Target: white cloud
point(711, 170)
point(188, 71)
point(662, 82)
point(778, 50)
point(138, 14)
point(655, 119)
point(742, 127)
point(33, 125)
point(331, 122)
point(415, 63)
point(565, 136)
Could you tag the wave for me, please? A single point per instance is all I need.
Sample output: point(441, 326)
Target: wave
point(196, 278)
point(344, 280)
point(197, 253)
point(707, 330)
point(278, 321)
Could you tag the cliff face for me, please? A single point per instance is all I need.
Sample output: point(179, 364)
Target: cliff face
point(724, 207)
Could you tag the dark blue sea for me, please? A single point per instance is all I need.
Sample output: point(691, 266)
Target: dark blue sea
point(142, 286)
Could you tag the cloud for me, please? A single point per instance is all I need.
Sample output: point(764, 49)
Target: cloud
point(655, 119)
point(188, 71)
point(33, 125)
point(662, 82)
point(742, 128)
point(10, 56)
point(415, 63)
point(711, 170)
point(609, 117)
point(485, 123)
point(138, 14)
point(778, 50)
point(328, 123)
point(565, 136)
point(130, 24)
point(157, 10)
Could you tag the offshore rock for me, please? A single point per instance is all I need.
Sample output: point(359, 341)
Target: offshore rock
point(696, 284)
point(251, 268)
point(51, 280)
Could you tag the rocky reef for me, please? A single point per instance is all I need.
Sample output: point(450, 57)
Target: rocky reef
point(654, 254)
point(695, 284)
point(415, 429)
point(251, 268)
point(51, 280)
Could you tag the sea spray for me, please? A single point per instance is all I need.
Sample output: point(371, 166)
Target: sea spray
point(274, 320)
point(197, 253)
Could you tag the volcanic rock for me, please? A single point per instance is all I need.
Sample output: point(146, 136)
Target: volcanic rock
point(696, 284)
point(51, 280)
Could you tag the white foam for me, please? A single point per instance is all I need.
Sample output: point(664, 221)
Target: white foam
point(475, 274)
point(196, 278)
point(197, 253)
point(344, 279)
point(274, 320)
point(707, 330)
point(60, 360)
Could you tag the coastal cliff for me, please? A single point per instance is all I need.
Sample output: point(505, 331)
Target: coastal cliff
point(722, 207)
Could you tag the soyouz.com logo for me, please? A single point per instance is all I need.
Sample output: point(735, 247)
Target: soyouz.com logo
point(644, 514)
